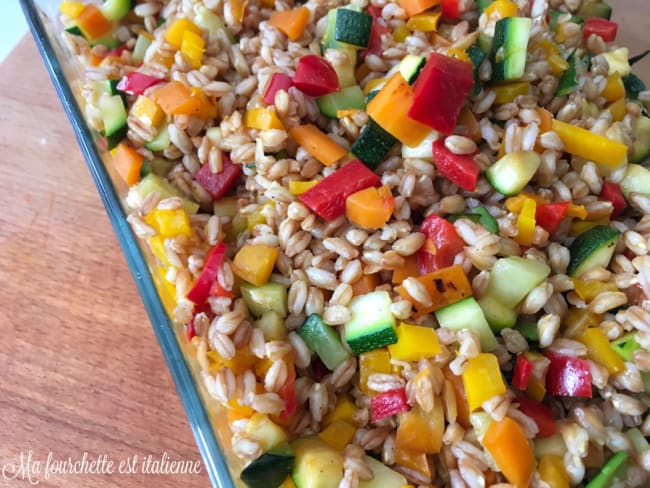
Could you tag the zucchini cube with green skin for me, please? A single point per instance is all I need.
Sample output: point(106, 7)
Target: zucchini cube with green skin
point(324, 341)
point(383, 476)
point(270, 469)
point(372, 324)
point(509, 48)
point(636, 179)
point(641, 149)
point(373, 144)
point(512, 278)
point(261, 299)
point(353, 27)
point(350, 97)
point(592, 249)
point(317, 465)
point(467, 314)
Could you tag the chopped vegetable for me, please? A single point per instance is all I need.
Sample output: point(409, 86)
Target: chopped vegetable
point(315, 76)
point(424, 22)
point(614, 469)
point(300, 187)
point(317, 143)
point(581, 142)
point(450, 9)
point(373, 144)
point(553, 472)
point(568, 376)
point(482, 379)
point(176, 99)
point(541, 415)
point(373, 362)
point(372, 324)
point(169, 222)
point(352, 27)
point(460, 169)
point(92, 23)
point(218, 184)
point(193, 47)
point(128, 163)
point(614, 89)
point(324, 341)
point(550, 215)
point(508, 92)
point(526, 223)
point(414, 342)
point(270, 469)
point(512, 452)
point(174, 33)
point(414, 7)
point(262, 119)
point(292, 23)
point(421, 431)
point(388, 403)
point(200, 291)
point(600, 350)
point(592, 249)
point(370, 207)
point(338, 434)
point(509, 47)
point(500, 9)
point(605, 29)
point(510, 174)
point(522, 372)
point(467, 314)
point(71, 9)
point(254, 263)
point(441, 246)
point(279, 81)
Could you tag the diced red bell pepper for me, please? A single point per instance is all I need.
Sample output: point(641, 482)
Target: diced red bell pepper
point(388, 403)
point(200, 292)
point(441, 245)
point(550, 215)
point(568, 376)
point(218, 291)
point(117, 52)
point(612, 192)
point(606, 29)
point(315, 76)
point(443, 83)
point(279, 81)
point(450, 9)
point(135, 83)
point(521, 375)
point(541, 414)
point(327, 198)
point(377, 30)
point(288, 394)
point(460, 169)
point(218, 184)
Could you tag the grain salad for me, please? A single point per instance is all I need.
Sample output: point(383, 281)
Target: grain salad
point(408, 241)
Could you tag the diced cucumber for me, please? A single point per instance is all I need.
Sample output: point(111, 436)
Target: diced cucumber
point(161, 141)
point(592, 249)
point(142, 43)
point(626, 345)
point(316, 464)
point(641, 149)
point(372, 324)
point(350, 97)
point(114, 117)
point(569, 79)
point(269, 470)
point(373, 144)
point(153, 183)
point(272, 325)
point(424, 150)
point(114, 10)
point(510, 174)
point(467, 314)
point(476, 56)
point(615, 469)
point(352, 27)
point(384, 477)
point(108, 40)
point(324, 341)
point(554, 15)
point(512, 278)
point(482, 5)
point(498, 315)
point(410, 67)
point(636, 179)
point(509, 48)
point(550, 445)
point(264, 298)
point(595, 8)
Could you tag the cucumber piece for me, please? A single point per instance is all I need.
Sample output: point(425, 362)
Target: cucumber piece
point(270, 469)
point(372, 324)
point(161, 141)
point(476, 56)
point(467, 314)
point(595, 8)
point(316, 464)
point(114, 117)
point(350, 97)
point(410, 67)
point(264, 298)
point(384, 477)
point(510, 174)
point(373, 144)
point(554, 15)
point(114, 10)
point(636, 179)
point(512, 278)
point(509, 48)
point(641, 149)
point(324, 341)
point(592, 249)
point(352, 27)
point(142, 43)
point(626, 345)
point(483, 4)
point(424, 150)
point(569, 79)
point(153, 183)
point(497, 314)
point(614, 470)
point(272, 325)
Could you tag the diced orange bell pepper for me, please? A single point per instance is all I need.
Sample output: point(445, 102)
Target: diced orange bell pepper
point(207, 110)
point(371, 207)
point(546, 120)
point(236, 411)
point(238, 9)
point(92, 22)
point(371, 362)
point(417, 461)
point(317, 143)
point(553, 472)
point(365, 284)
point(170, 223)
point(414, 7)
point(445, 286)
point(338, 434)
point(127, 162)
point(424, 22)
point(254, 263)
point(614, 89)
point(482, 380)
point(262, 119)
point(420, 431)
point(515, 204)
point(176, 99)
point(292, 23)
point(500, 9)
point(389, 109)
point(174, 33)
point(600, 350)
point(588, 290)
point(414, 342)
point(462, 407)
point(618, 109)
point(506, 442)
point(409, 269)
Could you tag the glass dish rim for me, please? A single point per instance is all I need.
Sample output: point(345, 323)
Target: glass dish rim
point(197, 415)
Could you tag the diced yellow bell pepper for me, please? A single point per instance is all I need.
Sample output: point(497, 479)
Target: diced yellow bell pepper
point(580, 142)
point(614, 89)
point(515, 204)
point(242, 361)
point(507, 93)
point(193, 47)
point(414, 342)
point(420, 431)
point(526, 223)
point(618, 61)
point(577, 320)
point(288, 482)
point(500, 9)
point(552, 471)
point(262, 429)
point(588, 290)
point(561, 33)
point(300, 187)
point(373, 84)
point(71, 9)
point(236, 411)
point(548, 46)
point(147, 110)
point(338, 434)
point(578, 211)
point(166, 288)
point(426, 22)
point(371, 362)
point(258, 216)
point(401, 32)
point(157, 246)
point(170, 223)
point(557, 63)
point(618, 109)
point(344, 410)
point(580, 226)
point(482, 379)
point(452, 52)
point(346, 112)
point(254, 263)
point(262, 119)
point(600, 350)
point(174, 33)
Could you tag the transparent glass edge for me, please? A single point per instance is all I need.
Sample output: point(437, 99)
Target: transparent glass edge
point(197, 415)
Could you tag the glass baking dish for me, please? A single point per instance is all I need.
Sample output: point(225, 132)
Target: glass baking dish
point(210, 434)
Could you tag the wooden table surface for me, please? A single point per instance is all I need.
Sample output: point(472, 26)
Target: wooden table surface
point(81, 369)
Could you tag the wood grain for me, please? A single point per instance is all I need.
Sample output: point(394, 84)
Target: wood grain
point(81, 369)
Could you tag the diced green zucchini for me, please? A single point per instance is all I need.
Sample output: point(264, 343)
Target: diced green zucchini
point(384, 477)
point(316, 464)
point(626, 345)
point(424, 150)
point(108, 40)
point(512, 278)
point(592, 249)
point(270, 469)
point(329, 37)
point(641, 149)
point(527, 327)
point(352, 27)
point(479, 215)
point(614, 470)
point(550, 445)
point(324, 341)
point(350, 97)
point(569, 80)
point(161, 141)
point(142, 43)
point(486, 40)
point(595, 8)
point(482, 5)
point(410, 67)
point(467, 314)
point(114, 117)
point(554, 15)
point(510, 174)
point(509, 48)
point(161, 166)
point(345, 71)
point(75, 31)
point(262, 429)
point(498, 315)
point(114, 10)
point(373, 144)
point(272, 325)
point(636, 179)
point(153, 183)
point(269, 296)
point(372, 324)
point(476, 56)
